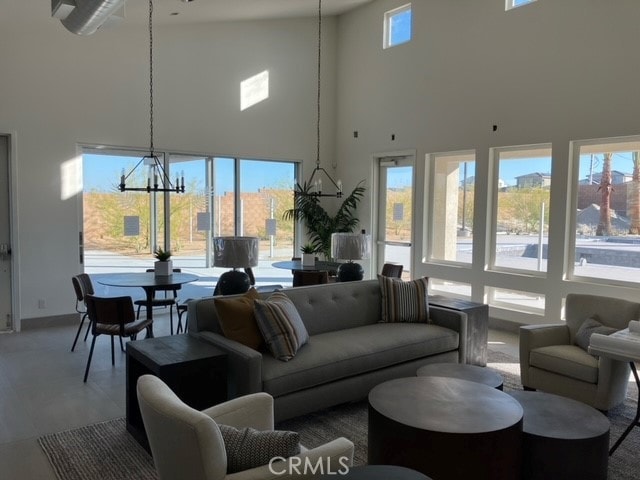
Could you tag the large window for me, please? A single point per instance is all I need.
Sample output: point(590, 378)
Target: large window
point(521, 193)
point(397, 26)
point(452, 199)
point(223, 196)
point(607, 210)
point(438, 286)
point(517, 300)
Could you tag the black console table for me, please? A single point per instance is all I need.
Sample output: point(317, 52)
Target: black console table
point(477, 325)
point(195, 370)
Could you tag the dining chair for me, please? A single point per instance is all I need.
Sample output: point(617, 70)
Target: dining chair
point(168, 300)
point(313, 277)
point(113, 316)
point(393, 270)
point(261, 288)
point(82, 286)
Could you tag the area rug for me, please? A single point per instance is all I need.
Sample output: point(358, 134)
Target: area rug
point(106, 451)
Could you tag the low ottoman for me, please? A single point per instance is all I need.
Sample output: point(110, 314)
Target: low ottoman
point(562, 438)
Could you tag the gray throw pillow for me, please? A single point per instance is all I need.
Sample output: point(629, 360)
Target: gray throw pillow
point(249, 448)
point(281, 326)
point(588, 328)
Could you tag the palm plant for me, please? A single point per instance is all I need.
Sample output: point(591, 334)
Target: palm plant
point(320, 225)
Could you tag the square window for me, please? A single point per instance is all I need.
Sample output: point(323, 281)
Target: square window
point(397, 26)
point(449, 288)
point(517, 3)
point(517, 300)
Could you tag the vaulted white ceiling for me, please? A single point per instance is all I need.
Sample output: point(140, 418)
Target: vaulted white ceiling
point(30, 13)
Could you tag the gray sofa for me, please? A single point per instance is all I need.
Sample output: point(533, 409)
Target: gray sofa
point(349, 351)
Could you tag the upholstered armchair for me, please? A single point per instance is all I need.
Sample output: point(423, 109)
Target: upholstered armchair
point(187, 444)
point(551, 361)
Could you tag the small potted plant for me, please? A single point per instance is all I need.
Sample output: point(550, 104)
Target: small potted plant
point(308, 255)
point(164, 265)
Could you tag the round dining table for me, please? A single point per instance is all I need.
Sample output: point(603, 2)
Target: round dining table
point(319, 266)
point(149, 282)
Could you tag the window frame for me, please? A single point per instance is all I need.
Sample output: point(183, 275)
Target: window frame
point(572, 191)
point(430, 169)
point(511, 4)
point(387, 30)
point(492, 204)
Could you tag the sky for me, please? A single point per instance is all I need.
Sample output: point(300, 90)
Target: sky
point(102, 172)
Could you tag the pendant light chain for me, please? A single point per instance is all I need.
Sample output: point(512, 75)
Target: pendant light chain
point(151, 78)
point(319, 78)
point(157, 179)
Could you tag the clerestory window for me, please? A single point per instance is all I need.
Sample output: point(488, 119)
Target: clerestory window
point(397, 26)
point(517, 3)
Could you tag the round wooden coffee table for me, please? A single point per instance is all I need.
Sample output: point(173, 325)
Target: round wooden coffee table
point(445, 428)
point(462, 371)
point(562, 438)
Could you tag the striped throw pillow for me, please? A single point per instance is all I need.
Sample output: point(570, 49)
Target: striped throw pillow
point(281, 326)
point(404, 301)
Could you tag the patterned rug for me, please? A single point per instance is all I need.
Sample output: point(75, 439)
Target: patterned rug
point(106, 451)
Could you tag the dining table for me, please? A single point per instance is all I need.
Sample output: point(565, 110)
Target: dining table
point(149, 282)
point(318, 266)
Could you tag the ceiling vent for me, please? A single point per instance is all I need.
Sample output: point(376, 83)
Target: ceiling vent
point(84, 17)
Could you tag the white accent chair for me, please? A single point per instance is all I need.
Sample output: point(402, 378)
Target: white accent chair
point(186, 444)
point(549, 360)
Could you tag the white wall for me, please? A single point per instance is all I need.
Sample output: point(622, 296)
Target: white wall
point(58, 90)
point(552, 71)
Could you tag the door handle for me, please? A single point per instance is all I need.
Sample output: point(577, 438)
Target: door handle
point(5, 251)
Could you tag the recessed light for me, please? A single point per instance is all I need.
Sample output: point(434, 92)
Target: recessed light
point(173, 14)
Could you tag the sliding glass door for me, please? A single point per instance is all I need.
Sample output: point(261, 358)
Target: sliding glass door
point(223, 196)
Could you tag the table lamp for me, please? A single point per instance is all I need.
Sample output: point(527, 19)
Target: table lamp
point(350, 247)
point(235, 252)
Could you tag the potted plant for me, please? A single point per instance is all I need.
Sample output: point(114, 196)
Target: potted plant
point(164, 265)
point(308, 255)
point(320, 225)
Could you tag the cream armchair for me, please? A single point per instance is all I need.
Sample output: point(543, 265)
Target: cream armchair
point(549, 360)
point(186, 444)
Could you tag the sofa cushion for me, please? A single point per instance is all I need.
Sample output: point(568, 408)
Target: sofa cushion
point(588, 328)
point(404, 301)
point(237, 319)
point(281, 326)
point(335, 355)
point(249, 448)
point(568, 360)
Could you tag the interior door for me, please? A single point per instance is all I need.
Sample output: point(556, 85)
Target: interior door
point(395, 212)
point(5, 238)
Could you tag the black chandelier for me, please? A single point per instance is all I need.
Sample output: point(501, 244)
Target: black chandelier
point(313, 187)
point(157, 179)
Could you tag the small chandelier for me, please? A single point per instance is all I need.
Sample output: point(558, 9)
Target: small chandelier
point(157, 179)
point(313, 187)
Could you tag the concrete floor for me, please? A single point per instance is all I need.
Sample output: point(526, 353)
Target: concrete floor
point(41, 390)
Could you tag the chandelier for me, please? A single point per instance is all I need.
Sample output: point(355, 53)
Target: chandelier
point(313, 187)
point(157, 178)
